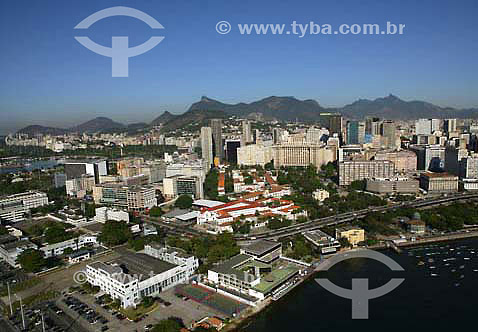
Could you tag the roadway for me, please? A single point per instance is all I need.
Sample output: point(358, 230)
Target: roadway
point(186, 230)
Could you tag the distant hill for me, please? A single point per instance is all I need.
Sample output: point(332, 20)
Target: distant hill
point(98, 125)
point(392, 107)
point(196, 118)
point(37, 129)
point(279, 108)
point(163, 118)
point(270, 108)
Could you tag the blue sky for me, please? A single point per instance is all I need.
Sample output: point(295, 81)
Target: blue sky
point(49, 78)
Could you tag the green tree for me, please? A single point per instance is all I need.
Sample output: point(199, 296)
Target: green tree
point(168, 325)
point(3, 230)
point(115, 233)
point(184, 202)
point(155, 212)
point(57, 233)
point(32, 260)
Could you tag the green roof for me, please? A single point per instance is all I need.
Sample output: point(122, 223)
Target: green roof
point(275, 278)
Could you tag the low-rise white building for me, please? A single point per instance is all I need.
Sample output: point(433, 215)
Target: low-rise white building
point(103, 214)
point(173, 256)
point(14, 207)
point(146, 276)
point(320, 195)
point(10, 250)
point(56, 249)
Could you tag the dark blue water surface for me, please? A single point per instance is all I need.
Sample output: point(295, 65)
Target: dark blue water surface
point(447, 300)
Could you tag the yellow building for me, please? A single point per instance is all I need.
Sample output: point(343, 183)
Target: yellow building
point(354, 235)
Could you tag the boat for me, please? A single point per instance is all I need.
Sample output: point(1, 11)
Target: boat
point(434, 275)
point(420, 263)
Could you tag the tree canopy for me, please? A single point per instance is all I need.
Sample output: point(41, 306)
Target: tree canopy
point(32, 260)
point(184, 202)
point(115, 233)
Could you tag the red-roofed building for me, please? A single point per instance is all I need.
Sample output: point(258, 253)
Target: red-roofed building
point(220, 218)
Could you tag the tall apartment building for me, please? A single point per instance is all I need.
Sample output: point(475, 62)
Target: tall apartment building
point(302, 155)
point(254, 154)
point(404, 161)
point(216, 127)
point(134, 198)
point(207, 146)
point(350, 171)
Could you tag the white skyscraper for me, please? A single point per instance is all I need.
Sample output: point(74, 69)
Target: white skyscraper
point(206, 145)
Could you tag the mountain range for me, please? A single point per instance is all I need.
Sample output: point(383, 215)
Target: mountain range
point(270, 108)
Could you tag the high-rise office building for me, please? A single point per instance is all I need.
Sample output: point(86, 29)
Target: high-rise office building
point(350, 171)
point(206, 146)
point(372, 126)
point(246, 132)
point(216, 127)
point(355, 132)
point(332, 121)
point(76, 168)
point(449, 125)
point(389, 133)
point(231, 150)
point(302, 154)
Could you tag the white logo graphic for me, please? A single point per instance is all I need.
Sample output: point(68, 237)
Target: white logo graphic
point(223, 27)
point(119, 52)
point(360, 294)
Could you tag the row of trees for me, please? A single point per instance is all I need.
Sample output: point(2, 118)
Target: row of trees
point(209, 249)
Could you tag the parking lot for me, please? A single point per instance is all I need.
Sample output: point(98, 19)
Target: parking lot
point(170, 306)
point(46, 315)
point(86, 315)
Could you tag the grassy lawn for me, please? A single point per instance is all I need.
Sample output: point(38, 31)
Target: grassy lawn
point(139, 311)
